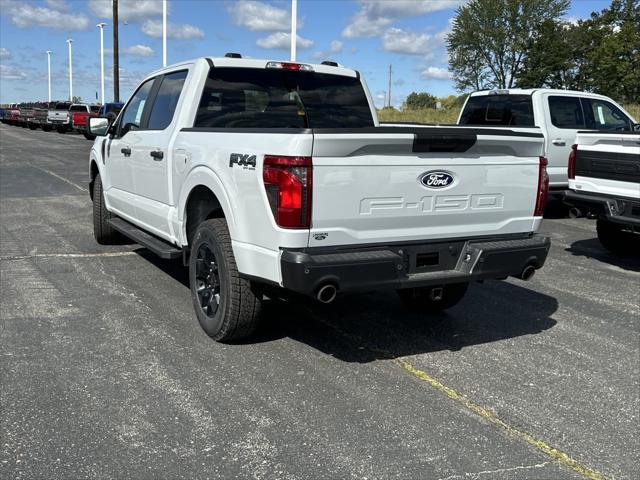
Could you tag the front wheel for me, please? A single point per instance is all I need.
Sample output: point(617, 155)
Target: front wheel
point(433, 299)
point(614, 238)
point(227, 305)
point(102, 230)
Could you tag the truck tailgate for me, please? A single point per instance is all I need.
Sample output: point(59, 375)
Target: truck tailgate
point(394, 184)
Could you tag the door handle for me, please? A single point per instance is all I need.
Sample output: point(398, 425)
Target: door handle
point(157, 154)
point(126, 151)
point(559, 142)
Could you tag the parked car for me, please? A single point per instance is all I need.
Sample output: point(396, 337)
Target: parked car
point(12, 113)
point(59, 118)
point(271, 177)
point(560, 114)
point(79, 114)
point(40, 111)
point(604, 180)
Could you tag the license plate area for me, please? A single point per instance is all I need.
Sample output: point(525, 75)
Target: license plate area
point(432, 258)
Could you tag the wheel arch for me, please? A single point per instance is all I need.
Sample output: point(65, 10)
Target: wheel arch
point(203, 197)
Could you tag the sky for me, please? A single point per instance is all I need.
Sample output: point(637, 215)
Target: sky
point(368, 35)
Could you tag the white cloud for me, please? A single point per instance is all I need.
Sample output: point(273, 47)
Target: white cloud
point(25, 15)
point(260, 17)
point(139, 50)
point(436, 73)
point(404, 41)
point(335, 47)
point(4, 53)
point(282, 41)
point(375, 15)
point(153, 28)
point(60, 5)
point(9, 72)
point(128, 10)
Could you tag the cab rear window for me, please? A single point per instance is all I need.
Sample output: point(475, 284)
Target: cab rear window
point(501, 110)
point(264, 98)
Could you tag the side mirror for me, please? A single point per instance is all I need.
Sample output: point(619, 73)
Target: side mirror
point(636, 127)
point(99, 126)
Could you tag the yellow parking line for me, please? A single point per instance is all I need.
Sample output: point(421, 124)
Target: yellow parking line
point(540, 445)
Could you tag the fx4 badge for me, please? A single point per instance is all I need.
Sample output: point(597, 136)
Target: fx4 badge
point(320, 236)
point(243, 160)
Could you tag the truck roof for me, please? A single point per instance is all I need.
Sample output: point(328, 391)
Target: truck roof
point(530, 91)
point(259, 63)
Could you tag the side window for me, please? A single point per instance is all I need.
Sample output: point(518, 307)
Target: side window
point(566, 112)
point(603, 115)
point(132, 116)
point(164, 106)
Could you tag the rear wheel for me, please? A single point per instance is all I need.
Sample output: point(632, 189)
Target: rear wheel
point(102, 230)
point(433, 299)
point(46, 128)
point(227, 305)
point(614, 238)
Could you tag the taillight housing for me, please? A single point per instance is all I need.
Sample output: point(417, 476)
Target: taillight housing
point(543, 188)
point(572, 162)
point(288, 182)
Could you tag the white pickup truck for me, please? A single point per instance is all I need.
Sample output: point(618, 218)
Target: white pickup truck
point(58, 117)
point(559, 114)
point(272, 177)
point(604, 180)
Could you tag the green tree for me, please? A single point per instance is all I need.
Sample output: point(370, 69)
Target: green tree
point(419, 101)
point(489, 40)
point(614, 62)
point(600, 54)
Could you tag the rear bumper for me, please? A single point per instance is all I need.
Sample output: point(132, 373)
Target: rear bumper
point(411, 265)
point(613, 208)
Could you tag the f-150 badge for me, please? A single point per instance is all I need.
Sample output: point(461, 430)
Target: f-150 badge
point(436, 179)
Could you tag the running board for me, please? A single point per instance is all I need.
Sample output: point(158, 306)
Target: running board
point(159, 247)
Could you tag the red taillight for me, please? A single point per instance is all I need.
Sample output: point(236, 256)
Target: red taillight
point(543, 188)
point(288, 182)
point(572, 162)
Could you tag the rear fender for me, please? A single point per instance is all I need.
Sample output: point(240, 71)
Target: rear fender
point(208, 178)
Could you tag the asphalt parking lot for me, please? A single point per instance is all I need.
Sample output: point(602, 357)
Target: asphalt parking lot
point(105, 372)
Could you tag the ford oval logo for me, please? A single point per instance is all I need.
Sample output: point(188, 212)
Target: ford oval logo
point(436, 179)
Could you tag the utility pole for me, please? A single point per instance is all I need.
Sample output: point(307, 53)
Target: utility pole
point(49, 71)
point(101, 27)
point(294, 25)
point(116, 59)
point(164, 33)
point(389, 86)
point(69, 42)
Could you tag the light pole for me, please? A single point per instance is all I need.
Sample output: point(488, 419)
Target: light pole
point(164, 33)
point(116, 54)
point(49, 71)
point(294, 15)
point(69, 42)
point(101, 27)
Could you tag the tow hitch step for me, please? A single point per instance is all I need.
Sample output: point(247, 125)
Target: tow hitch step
point(159, 247)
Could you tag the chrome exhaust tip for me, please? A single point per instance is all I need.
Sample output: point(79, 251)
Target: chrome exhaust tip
point(327, 293)
point(528, 272)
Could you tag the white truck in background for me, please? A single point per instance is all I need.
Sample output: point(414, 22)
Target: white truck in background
point(559, 114)
point(270, 177)
point(604, 180)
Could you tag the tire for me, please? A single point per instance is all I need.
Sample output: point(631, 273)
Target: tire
point(46, 128)
point(32, 126)
point(102, 231)
point(614, 239)
point(88, 136)
point(227, 305)
point(418, 299)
